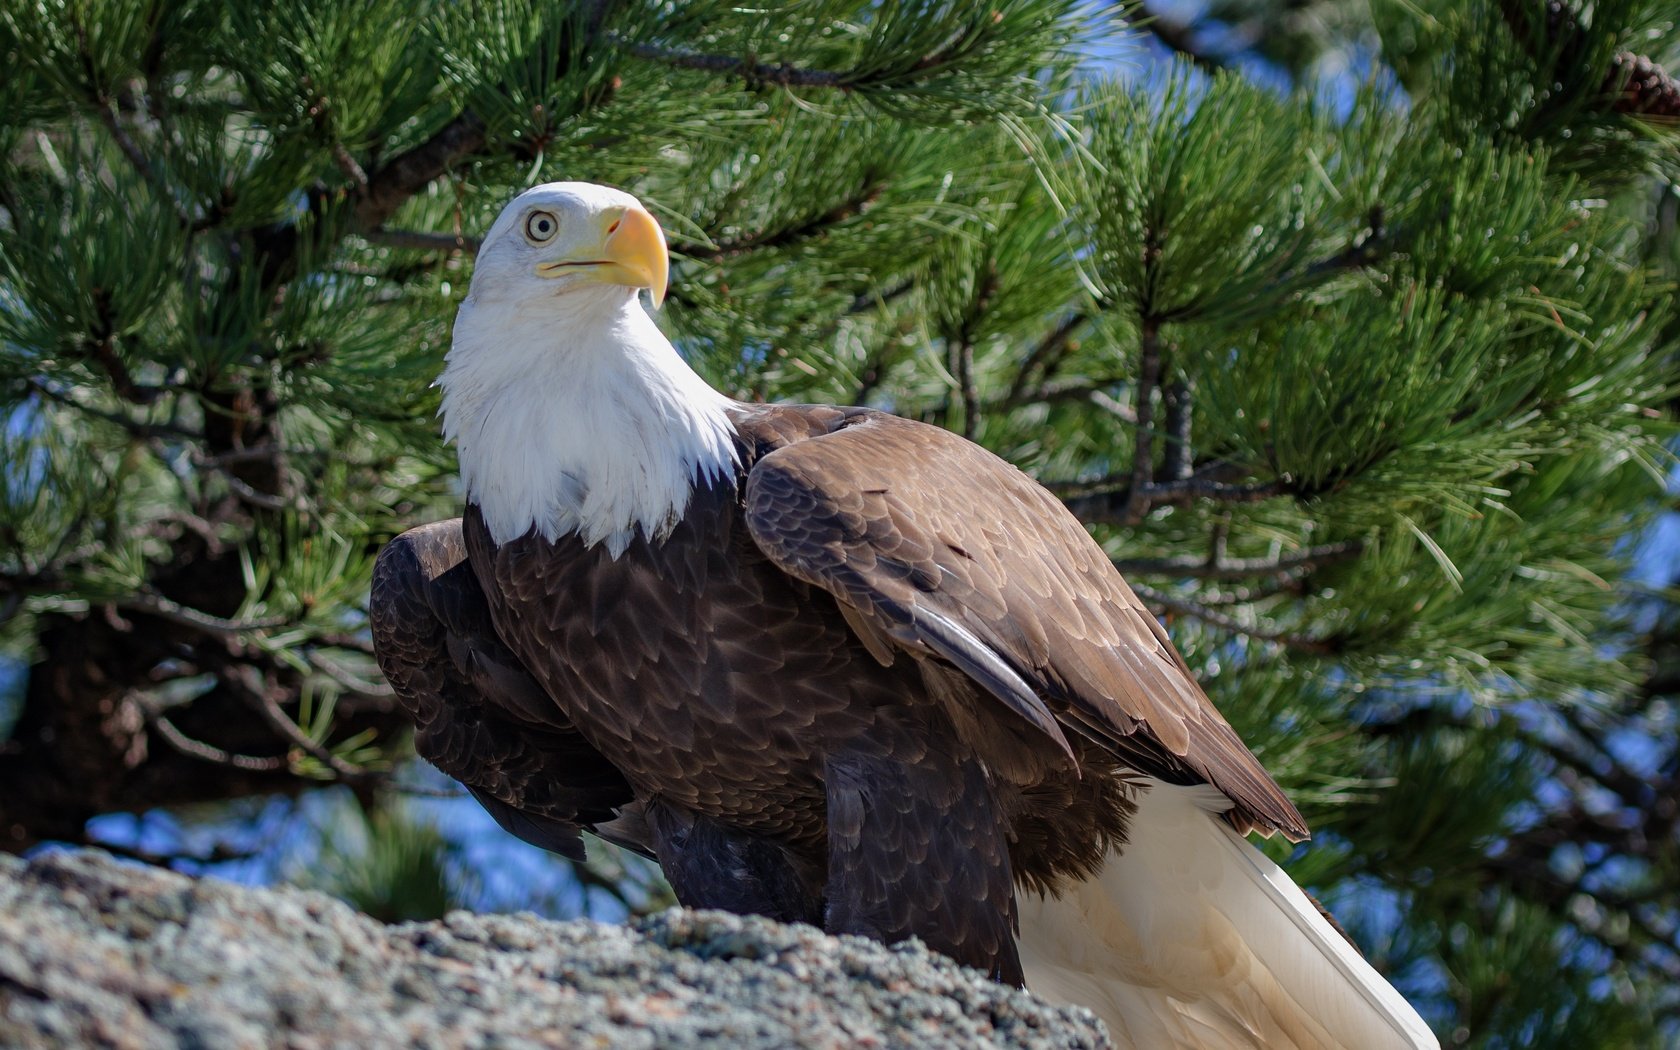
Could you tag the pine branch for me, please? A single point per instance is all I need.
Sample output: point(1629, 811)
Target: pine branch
point(137, 157)
point(153, 604)
point(785, 75)
point(815, 226)
point(1221, 568)
point(961, 348)
point(1045, 354)
point(346, 679)
point(209, 753)
point(1287, 639)
point(1637, 792)
point(1143, 406)
point(420, 240)
point(104, 351)
point(264, 697)
point(1058, 391)
point(1532, 878)
point(756, 74)
point(394, 182)
point(140, 429)
point(385, 191)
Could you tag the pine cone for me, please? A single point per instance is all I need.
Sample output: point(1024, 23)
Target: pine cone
point(1645, 88)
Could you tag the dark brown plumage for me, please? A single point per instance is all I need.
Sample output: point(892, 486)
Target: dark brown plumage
point(872, 681)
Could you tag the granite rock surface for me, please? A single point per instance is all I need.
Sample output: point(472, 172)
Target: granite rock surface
point(100, 953)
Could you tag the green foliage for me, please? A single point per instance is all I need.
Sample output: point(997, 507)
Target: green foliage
point(92, 259)
point(386, 863)
point(336, 75)
point(1534, 74)
point(1202, 199)
point(499, 60)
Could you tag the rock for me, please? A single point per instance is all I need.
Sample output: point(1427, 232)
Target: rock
point(95, 952)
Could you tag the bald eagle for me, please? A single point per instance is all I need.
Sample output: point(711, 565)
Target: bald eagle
point(832, 666)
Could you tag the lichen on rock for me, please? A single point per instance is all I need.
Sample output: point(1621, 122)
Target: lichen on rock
point(96, 952)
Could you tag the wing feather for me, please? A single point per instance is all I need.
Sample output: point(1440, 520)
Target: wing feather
point(479, 715)
point(950, 550)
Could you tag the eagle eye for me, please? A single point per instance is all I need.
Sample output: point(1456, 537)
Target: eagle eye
point(541, 226)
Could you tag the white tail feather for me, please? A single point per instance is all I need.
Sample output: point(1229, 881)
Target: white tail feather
point(1191, 937)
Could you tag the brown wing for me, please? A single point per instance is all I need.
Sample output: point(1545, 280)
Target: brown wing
point(945, 548)
point(478, 714)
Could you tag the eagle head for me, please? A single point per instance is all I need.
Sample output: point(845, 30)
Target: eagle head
point(570, 411)
point(560, 237)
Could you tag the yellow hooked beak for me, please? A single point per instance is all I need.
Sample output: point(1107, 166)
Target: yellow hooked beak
point(631, 252)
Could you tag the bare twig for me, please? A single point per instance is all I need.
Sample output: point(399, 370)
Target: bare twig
point(198, 749)
point(782, 74)
point(1366, 248)
point(421, 791)
point(245, 492)
point(962, 349)
point(247, 680)
point(255, 454)
point(355, 642)
point(154, 604)
point(421, 240)
point(874, 370)
point(347, 679)
point(962, 369)
point(758, 74)
point(866, 301)
point(1143, 405)
point(1176, 456)
point(1113, 406)
point(347, 164)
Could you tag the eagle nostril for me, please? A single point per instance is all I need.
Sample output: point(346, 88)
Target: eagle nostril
point(614, 227)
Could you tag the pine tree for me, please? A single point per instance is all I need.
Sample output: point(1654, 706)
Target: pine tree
point(1366, 390)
